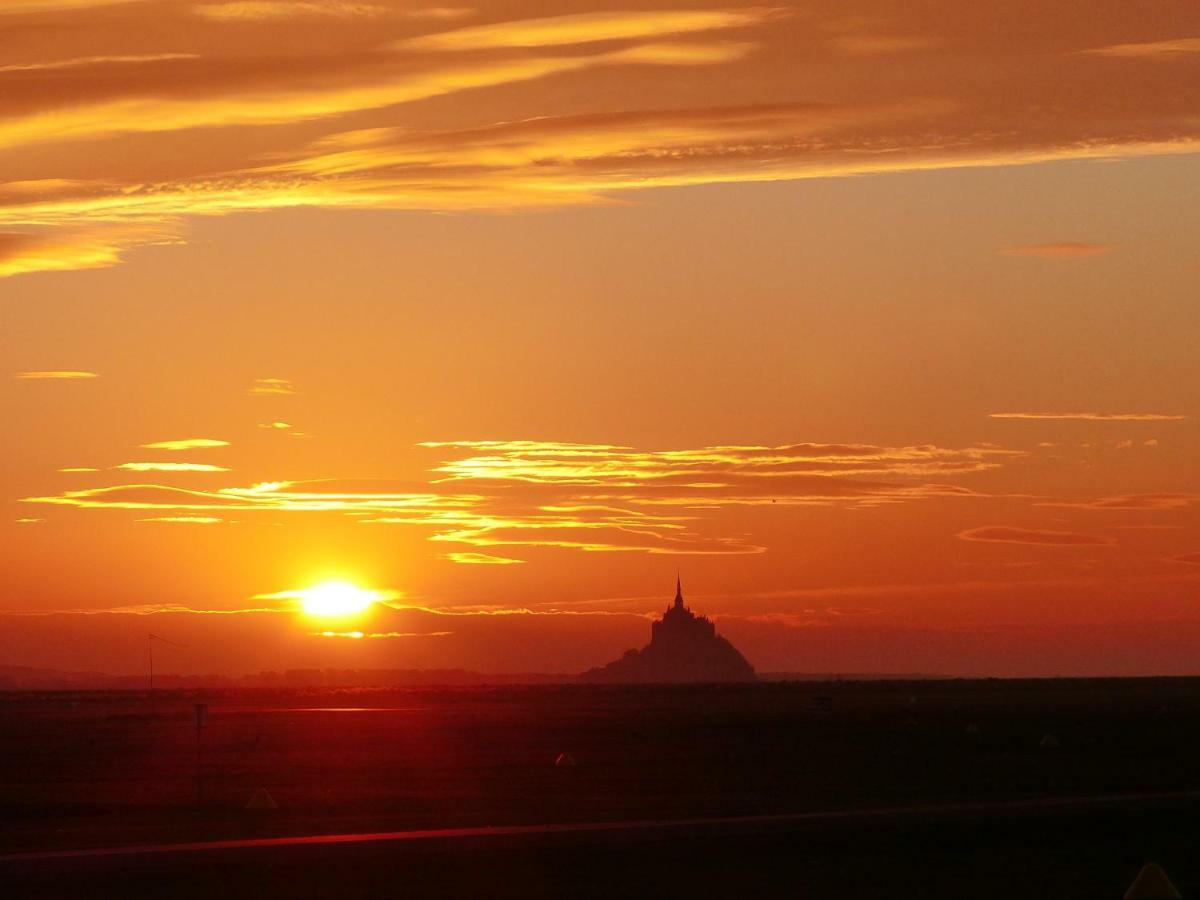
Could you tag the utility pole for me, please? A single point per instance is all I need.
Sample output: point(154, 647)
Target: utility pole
point(150, 648)
point(201, 712)
point(150, 639)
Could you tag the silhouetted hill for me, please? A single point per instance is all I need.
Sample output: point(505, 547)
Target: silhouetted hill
point(683, 647)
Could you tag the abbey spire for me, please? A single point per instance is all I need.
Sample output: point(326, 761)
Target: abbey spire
point(683, 647)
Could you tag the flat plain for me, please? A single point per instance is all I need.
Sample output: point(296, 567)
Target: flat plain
point(100, 769)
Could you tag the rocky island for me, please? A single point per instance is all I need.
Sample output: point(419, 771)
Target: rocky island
point(684, 647)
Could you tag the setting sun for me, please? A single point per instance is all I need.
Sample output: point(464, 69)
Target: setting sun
point(335, 598)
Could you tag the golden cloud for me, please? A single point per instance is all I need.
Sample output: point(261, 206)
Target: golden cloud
point(37, 6)
point(185, 520)
point(83, 209)
point(1158, 501)
point(588, 28)
point(1160, 50)
point(1009, 535)
point(482, 559)
point(56, 375)
point(262, 10)
point(1060, 250)
point(186, 444)
point(79, 62)
point(272, 386)
point(1091, 416)
point(593, 498)
point(169, 467)
point(359, 635)
point(97, 247)
point(601, 464)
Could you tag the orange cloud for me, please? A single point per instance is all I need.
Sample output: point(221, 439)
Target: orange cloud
point(1090, 416)
point(186, 444)
point(1190, 558)
point(169, 467)
point(587, 28)
point(80, 62)
point(100, 247)
point(359, 635)
point(262, 10)
point(35, 6)
point(330, 110)
point(1061, 250)
point(482, 559)
point(602, 464)
point(185, 520)
point(1009, 535)
point(272, 386)
point(592, 498)
point(877, 44)
point(1157, 501)
point(1154, 50)
point(56, 375)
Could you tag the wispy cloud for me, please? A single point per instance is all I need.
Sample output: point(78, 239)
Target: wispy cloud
point(284, 427)
point(264, 10)
point(1155, 50)
point(587, 28)
point(35, 6)
point(82, 62)
point(1189, 558)
point(1091, 416)
point(591, 498)
point(299, 594)
point(717, 466)
point(170, 467)
point(185, 520)
point(186, 444)
point(1158, 501)
point(329, 107)
point(482, 559)
point(879, 44)
point(1009, 535)
point(360, 635)
point(272, 386)
point(1061, 250)
point(74, 469)
point(99, 246)
point(58, 374)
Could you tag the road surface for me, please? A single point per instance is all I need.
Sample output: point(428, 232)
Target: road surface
point(1061, 848)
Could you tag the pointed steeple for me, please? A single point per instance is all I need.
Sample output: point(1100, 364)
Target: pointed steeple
point(678, 592)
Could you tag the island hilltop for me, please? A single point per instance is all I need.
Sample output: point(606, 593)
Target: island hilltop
point(684, 647)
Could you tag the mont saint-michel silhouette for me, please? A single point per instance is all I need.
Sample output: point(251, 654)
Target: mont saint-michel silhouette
point(684, 647)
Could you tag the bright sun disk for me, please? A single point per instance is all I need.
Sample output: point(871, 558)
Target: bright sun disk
point(335, 598)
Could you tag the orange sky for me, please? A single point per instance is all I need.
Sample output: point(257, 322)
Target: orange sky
point(876, 319)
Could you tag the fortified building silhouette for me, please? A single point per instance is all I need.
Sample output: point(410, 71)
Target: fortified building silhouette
point(684, 647)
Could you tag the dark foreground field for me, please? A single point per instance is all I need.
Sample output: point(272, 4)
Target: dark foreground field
point(97, 770)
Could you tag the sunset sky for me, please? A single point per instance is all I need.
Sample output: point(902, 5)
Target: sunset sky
point(877, 320)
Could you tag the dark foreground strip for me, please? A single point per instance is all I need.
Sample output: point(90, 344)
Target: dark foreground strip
point(763, 824)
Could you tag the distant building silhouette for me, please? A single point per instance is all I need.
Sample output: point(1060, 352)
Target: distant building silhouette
point(683, 647)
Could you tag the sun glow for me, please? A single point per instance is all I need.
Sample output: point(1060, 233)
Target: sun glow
point(336, 598)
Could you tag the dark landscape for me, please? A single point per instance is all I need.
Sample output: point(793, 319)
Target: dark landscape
point(961, 770)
